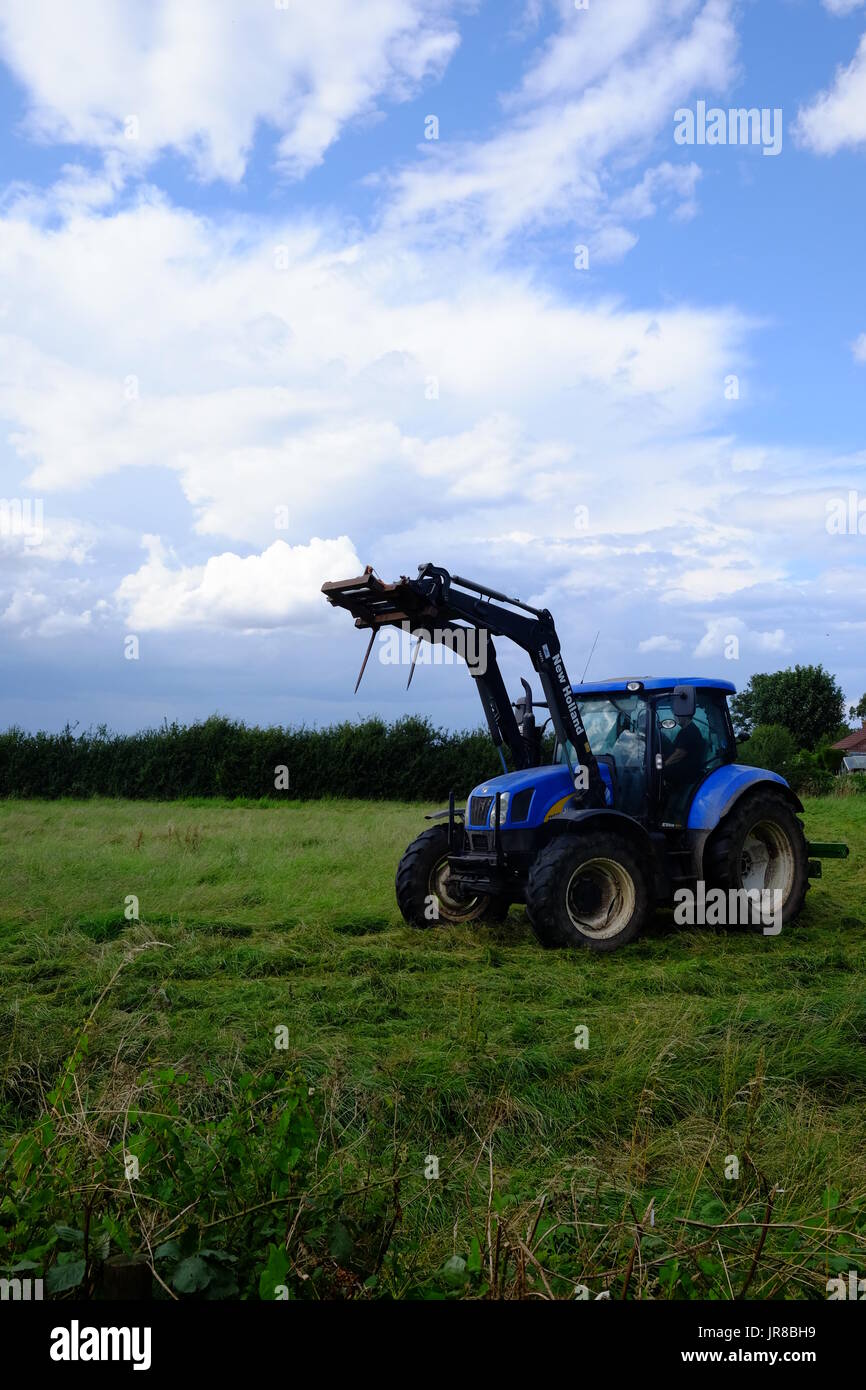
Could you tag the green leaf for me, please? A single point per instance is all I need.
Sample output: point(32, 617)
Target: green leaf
point(169, 1250)
point(840, 1264)
point(274, 1272)
point(192, 1274)
point(62, 1277)
point(70, 1234)
point(455, 1271)
point(340, 1244)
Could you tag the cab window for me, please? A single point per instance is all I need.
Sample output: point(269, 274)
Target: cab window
point(691, 751)
point(616, 726)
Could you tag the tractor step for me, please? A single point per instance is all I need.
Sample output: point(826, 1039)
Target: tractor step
point(830, 850)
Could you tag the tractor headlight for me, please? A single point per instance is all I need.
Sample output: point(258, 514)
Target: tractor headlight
point(503, 810)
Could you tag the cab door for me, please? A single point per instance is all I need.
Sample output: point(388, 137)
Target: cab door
point(685, 752)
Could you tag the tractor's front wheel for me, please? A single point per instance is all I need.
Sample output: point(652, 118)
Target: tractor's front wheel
point(426, 893)
point(588, 890)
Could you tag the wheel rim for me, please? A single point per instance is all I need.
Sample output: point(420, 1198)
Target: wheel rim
point(600, 898)
point(451, 907)
point(767, 859)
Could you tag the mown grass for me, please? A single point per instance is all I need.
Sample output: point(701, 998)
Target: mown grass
point(459, 1043)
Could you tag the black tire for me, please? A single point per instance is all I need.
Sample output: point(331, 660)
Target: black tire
point(587, 890)
point(765, 819)
point(422, 875)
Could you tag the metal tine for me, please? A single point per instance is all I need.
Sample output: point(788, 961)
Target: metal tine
point(414, 659)
point(364, 662)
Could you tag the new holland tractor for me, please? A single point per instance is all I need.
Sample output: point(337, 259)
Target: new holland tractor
point(643, 796)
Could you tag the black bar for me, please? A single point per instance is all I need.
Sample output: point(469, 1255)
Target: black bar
point(494, 593)
point(498, 709)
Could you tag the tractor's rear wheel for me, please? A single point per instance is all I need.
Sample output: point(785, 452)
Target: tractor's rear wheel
point(426, 893)
point(588, 890)
point(761, 846)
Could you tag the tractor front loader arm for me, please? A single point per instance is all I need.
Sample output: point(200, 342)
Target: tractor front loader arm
point(435, 603)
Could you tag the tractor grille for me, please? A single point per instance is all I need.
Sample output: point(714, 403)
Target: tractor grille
point(479, 809)
point(481, 841)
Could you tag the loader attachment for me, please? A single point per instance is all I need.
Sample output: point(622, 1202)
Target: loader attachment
point(436, 607)
point(374, 603)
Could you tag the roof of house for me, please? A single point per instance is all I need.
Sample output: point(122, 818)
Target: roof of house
point(854, 741)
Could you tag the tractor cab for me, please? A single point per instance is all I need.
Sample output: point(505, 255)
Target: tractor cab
point(656, 745)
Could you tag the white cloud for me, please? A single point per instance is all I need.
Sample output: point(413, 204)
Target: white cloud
point(858, 347)
point(62, 623)
point(310, 386)
point(661, 643)
point(717, 640)
point(25, 605)
point(280, 586)
point(842, 7)
point(604, 89)
point(34, 613)
point(31, 535)
point(611, 243)
point(836, 118)
point(201, 76)
point(663, 183)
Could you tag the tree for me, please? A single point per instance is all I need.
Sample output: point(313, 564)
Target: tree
point(807, 700)
point(770, 746)
point(858, 711)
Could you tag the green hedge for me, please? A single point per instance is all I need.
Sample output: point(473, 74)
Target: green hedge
point(405, 760)
point(408, 760)
point(809, 773)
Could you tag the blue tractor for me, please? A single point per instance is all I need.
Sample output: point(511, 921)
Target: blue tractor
point(643, 797)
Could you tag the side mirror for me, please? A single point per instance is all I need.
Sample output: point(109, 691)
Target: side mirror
point(683, 703)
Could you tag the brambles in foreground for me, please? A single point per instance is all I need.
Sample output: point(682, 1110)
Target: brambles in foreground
point(229, 1188)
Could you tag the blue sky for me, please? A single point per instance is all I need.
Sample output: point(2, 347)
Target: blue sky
point(256, 331)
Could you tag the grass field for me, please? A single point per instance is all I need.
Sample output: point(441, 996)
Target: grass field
point(558, 1166)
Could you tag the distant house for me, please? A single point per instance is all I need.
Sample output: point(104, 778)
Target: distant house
point(854, 743)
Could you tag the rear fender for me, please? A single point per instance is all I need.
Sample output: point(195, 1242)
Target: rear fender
point(719, 794)
point(716, 796)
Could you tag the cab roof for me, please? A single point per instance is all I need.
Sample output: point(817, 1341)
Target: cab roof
point(620, 684)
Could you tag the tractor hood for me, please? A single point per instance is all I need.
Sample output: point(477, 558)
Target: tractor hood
point(545, 792)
